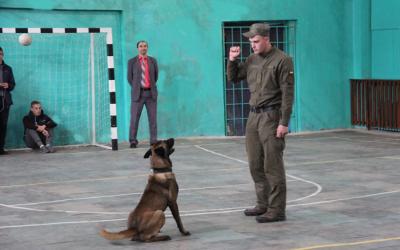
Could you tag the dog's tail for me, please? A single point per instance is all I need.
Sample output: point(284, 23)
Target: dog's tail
point(128, 233)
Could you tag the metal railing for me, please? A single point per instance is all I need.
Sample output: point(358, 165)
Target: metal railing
point(376, 104)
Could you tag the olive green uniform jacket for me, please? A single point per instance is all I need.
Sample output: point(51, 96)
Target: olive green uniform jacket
point(270, 77)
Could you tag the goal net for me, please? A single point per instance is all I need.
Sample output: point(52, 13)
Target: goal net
point(68, 74)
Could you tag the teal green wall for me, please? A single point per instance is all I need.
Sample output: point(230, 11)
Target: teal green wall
point(362, 39)
point(186, 38)
point(385, 26)
point(191, 54)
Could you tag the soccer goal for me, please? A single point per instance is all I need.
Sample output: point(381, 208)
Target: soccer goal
point(71, 72)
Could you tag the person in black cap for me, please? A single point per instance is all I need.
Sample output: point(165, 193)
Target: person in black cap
point(7, 84)
point(269, 74)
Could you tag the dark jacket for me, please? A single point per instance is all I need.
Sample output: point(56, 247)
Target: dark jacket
point(9, 78)
point(31, 121)
point(135, 77)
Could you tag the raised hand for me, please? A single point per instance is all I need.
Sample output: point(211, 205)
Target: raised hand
point(234, 52)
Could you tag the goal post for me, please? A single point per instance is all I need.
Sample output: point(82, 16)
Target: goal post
point(72, 71)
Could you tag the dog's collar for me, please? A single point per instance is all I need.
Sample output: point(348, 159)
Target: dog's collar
point(162, 170)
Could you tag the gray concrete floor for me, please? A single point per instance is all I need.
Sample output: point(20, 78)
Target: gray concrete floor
point(343, 189)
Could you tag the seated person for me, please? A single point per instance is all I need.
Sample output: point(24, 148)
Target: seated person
point(38, 131)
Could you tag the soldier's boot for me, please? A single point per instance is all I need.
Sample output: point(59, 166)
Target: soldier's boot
point(254, 211)
point(270, 217)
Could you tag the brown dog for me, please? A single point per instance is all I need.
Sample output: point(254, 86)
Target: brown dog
point(145, 222)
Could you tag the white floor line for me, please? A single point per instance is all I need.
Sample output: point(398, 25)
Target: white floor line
point(102, 146)
point(211, 211)
point(72, 181)
point(345, 199)
point(125, 194)
point(222, 155)
point(208, 170)
point(380, 141)
point(319, 188)
point(318, 138)
point(351, 139)
point(392, 157)
point(206, 144)
point(121, 195)
point(340, 160)
point(75, 212)
point(322, 162)
point(75, 199)
point(59, 223)
point(240, 209)
point(182, 146)
point(111, 178)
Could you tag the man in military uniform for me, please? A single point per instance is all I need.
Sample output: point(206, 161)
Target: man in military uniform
point(269, 74)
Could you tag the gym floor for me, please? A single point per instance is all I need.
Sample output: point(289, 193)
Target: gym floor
point(343, 193)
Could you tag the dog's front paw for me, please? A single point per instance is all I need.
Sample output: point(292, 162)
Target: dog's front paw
point(185, 233)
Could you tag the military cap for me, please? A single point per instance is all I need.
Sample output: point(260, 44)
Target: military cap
point(261, 29)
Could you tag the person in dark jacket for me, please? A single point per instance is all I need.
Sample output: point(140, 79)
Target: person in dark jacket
point(142, 76)
point(7, 84)
point(38, 129)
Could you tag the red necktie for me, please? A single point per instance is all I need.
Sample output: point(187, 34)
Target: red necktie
point(143, 81)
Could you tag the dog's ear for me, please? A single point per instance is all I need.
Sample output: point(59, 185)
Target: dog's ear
point(147, 154)
point(171, 151)
point(170, 142)
point(160, 151)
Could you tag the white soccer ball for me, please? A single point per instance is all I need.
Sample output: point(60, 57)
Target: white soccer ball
point(25, 39)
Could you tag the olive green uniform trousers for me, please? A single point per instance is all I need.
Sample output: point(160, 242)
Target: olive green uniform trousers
point(265, 155)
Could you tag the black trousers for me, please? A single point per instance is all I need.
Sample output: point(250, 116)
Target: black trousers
point(3, 125)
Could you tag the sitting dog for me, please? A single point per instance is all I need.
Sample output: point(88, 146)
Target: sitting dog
point(145, 222)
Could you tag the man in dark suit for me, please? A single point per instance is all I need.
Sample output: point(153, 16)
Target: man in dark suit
point(7, 84)
point(142, 76)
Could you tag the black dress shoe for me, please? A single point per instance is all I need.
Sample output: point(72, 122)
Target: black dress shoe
point(254, 211)
point(266, 218)
point(133, 145)
point(2, 152)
